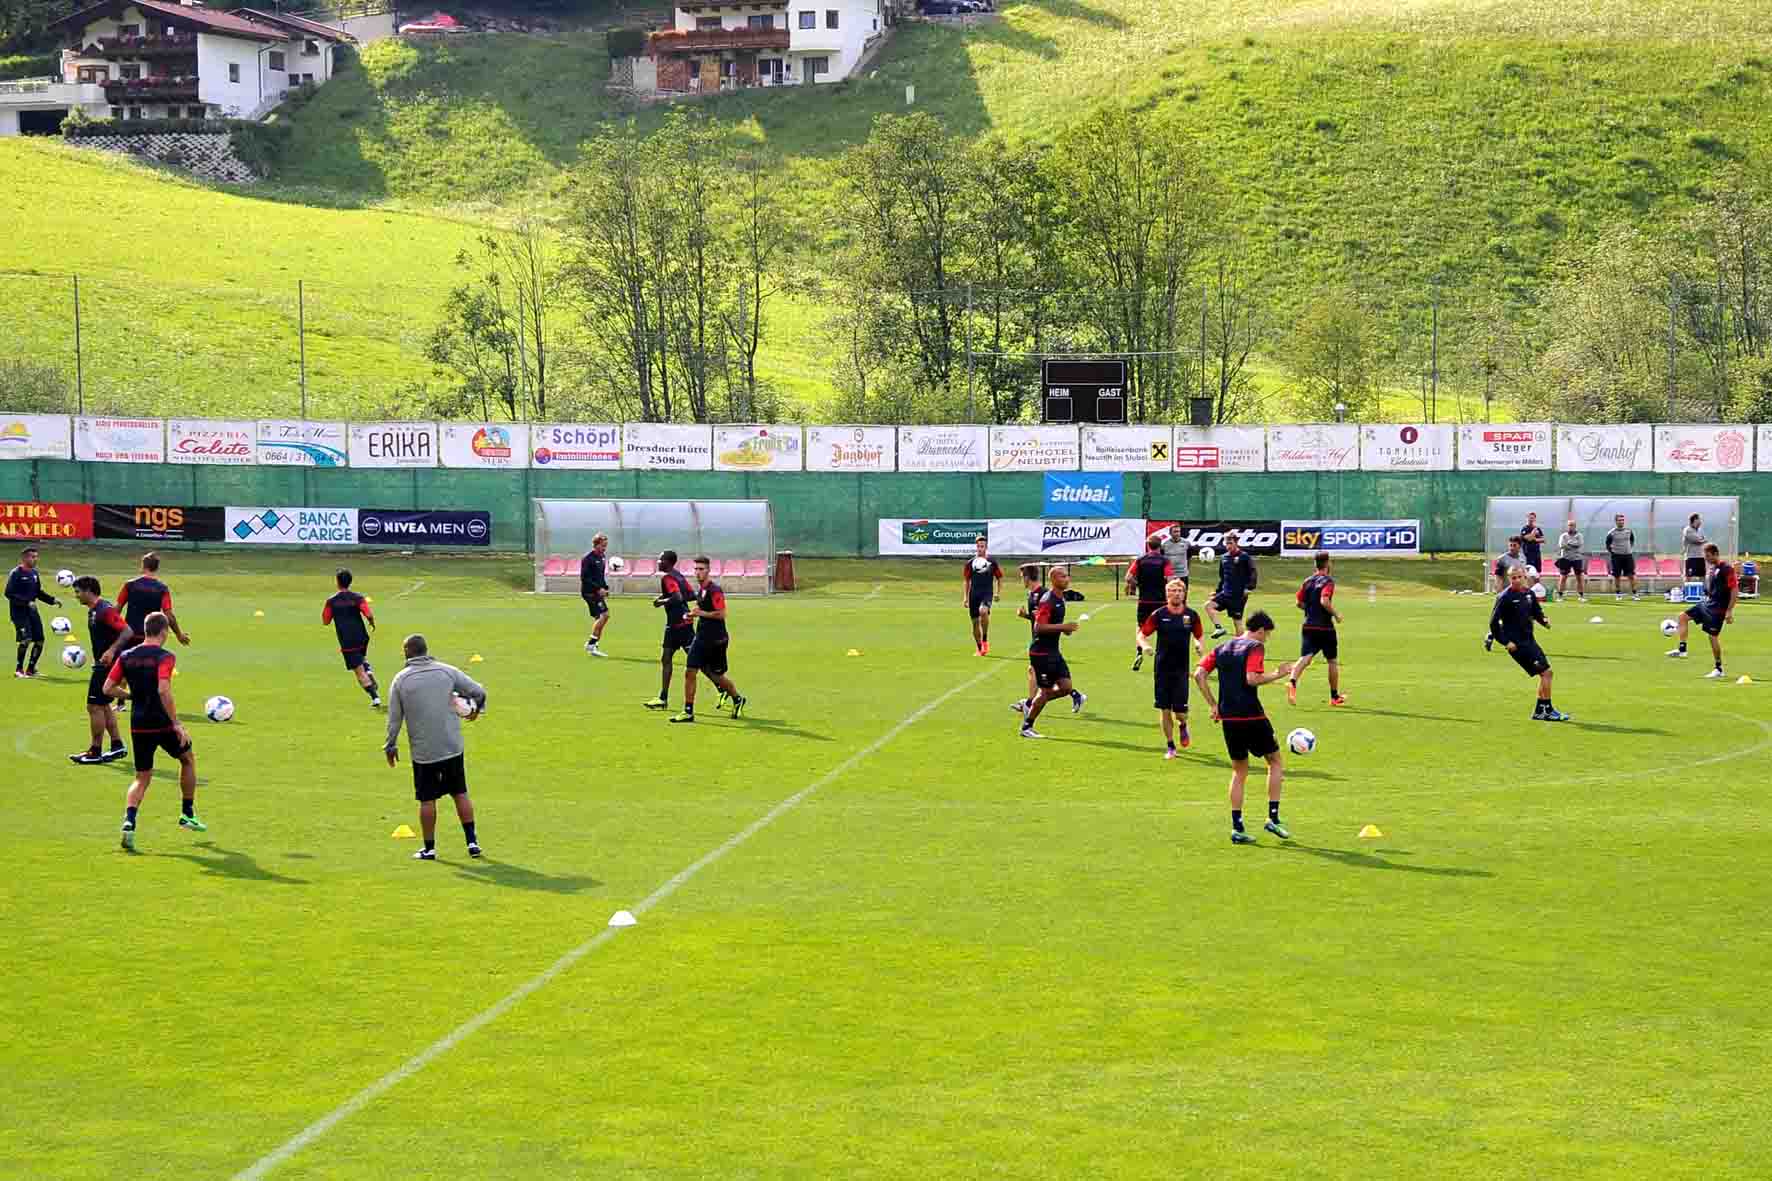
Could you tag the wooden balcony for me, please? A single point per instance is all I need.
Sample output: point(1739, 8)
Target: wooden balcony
point(128, 90)
point(167, 45)
point(701, 40)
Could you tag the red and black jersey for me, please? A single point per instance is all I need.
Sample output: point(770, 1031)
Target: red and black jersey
point(981, 573)
point(1317, 597)
point(1152, 572)
point(1236, 574)
point(145, 667)
point(1172, 629)
point(1720, 586)
point(677, 594)
point(1235, 659)
point(140, 597)
point(711, 598)
point(104, 623)
point(1034, 597)
point(1049, 609)
point(349, 614)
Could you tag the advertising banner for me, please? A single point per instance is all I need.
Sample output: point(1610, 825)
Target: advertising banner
point(1368, 539)
point(1220, 449)
point(1070, 494)
point(851, 448)
point(291, 526)
point(483, 445)
point(36, 436)
point(902, 537)
point(652, 446)
point(35, 520)
point(944, 448)
point(158, 522)
point(403, 527)
point(1521, 445)
point(1121, 537)
point(758, 449)
point(1406, 447)
point(120, 440)
point(1720, 448)
point(211, 440)
point(1606, 448)
point(1126, 448)
point(393, 444)
point(1258, 537)
point(288, 442)
point(576, 446)
point(1033, 448)
point(1313, 447)
point(1763, 449)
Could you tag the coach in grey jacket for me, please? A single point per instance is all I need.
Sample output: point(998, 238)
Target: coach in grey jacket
point(421, 696)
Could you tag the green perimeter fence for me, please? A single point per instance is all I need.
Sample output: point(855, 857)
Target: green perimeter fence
point(834, 515)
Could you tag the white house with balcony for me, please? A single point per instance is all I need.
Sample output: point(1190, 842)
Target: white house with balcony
point(719, 45)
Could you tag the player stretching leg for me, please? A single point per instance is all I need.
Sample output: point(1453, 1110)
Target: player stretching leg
point(347, 612)
point(708, 652)
point(1316, 598)
point(1721, 587)
point(1147, 577)
point(980, 576)
point(110, 638)
point(1247, 730)
point(1516, 609)
point(1051, 673)
point(24, 590)
point(144, 675)
point(674, 596)
point(1177, 629)
point(593, 586)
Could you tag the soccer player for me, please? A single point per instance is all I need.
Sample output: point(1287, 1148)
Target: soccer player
point(1236, 578)
point(707, 653)
point(347, 612)
point(1147, 577)
point(421, 696)
point(1051, 674)
point(110, 637)
point(1505, 563)
point(1571, 559)
point(1621, 549)
point(1696, 543)
point(1316, 598)
point(1175, 548)
point(674, 596)
point(1177, 627)
point(593, 585)
point(1532, 542)
point(144, 675)
point(1030, 582)
point(24, 590)
point(980, 575)
point(1722, 586)
point(1516, 609)
point(145, 593)
point(1237, 707)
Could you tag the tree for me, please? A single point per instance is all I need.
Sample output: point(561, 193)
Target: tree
point(475, 343)
point(766, 240)
point(1332, 357)
point(1233, 316)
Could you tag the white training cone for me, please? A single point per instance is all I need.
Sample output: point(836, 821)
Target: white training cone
point(1083, 618)
point(623, 918)
point(1596, 619)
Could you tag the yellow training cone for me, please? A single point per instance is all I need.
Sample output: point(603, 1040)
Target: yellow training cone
point(855, 651)
point(404, 833)
point(476, 658)
point(369, 600)
point(1744, 679)
point(258, 614)
point(1370, 831)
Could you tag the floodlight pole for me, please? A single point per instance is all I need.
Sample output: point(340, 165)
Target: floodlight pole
point(301, 340)
point(79, 366)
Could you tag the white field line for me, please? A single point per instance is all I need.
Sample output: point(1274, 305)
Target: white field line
point(320, 1127)
point(420, 582)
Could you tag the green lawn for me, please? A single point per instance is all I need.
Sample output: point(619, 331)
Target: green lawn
point(959, 954)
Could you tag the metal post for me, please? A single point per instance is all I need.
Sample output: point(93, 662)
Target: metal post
point(1671, 297)
point(1434, 364)
point(968, 338)
point(79, 364)
point(301, 340)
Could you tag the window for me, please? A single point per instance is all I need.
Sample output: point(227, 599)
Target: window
point(274, 60)
point(707, 22)
point(93, 73)
point(233, 71)
point(129, 70)
point(809, 20)
point(135, 112)
point(194, 112)
point(816, 66)
point(129, 30)
point(116, 112)
point(764, 21)
point(830, 18)
point(310, 49)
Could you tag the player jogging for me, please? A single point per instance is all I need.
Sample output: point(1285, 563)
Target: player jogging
point(1247, 731)
point(980, 576)
point(1621, 549)
point(146, 593)
point(1030, 582)
point(1236, 578)
point(144, 675)
point(1147, 577)
point(1051, 674)
point(348, 612)
point(24, 590)
point(1316, 598)
point(593, 586)
point(110, 637)
point(1516, 609)
point(1177, 628)
point(674, 596)
point(1571, 547)
point(1722, 587)
point(708, 651)
point(421, 697)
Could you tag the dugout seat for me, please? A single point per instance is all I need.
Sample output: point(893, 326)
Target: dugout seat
point(642, 567)
point(1598, 569)
point(756, 568)
point(716, 568)
point(554, 567)
point(1673, 568)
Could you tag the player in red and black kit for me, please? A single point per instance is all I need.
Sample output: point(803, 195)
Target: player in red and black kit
point(110, 637)
point(1147, 577)
point(981, 581)
point(674, 595)
point(1316, 598)
point(349, 614)
point(1516, 609)
point(1051, 673)
point(1178, 629)
point(144, 675)
point(1247, 731)
point(145, 593)
point(707, 653)
point(1236, 578)
point(1722, 586)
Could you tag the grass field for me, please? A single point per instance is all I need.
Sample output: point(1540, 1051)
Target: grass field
point(879, 935)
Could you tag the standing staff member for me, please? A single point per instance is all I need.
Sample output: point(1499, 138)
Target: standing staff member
point(1175, 548)
point(1532, 542)
point(1621, 548)
point(420, 695)
point(24, 590)
point(593, 585)
point(1695, 542)
point(1571, 559)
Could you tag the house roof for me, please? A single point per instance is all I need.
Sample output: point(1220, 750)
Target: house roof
point(295, 24)
point(179, 16)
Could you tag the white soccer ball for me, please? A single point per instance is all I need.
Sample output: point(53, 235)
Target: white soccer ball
point(61, 625)
point(618, 565)
point(1207, 554)
point(1532, 572)
point(73, 656)
point(1301, 741)
point(1538, 590)
point(1670, 627)
point(461, 705)
point(64, 577)
point(218, 709)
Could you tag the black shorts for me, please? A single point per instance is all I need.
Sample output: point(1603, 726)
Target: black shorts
point(147, 742)
point(1531, 658)
point(1624, 565)
point(1323, 640)
point(708, 656)
point(678, 639)
point(978, 603)
point(1049, 669)
point(1695, 569)
point(1230, 604)
point(599, 606)
point(433, 781)
point(27, 626)
point(1705, 618)
point(1246, 738)
point(356, 657)
point(1170, 684)
point(1569, 565)
point(1145, 611)
point(95, 685)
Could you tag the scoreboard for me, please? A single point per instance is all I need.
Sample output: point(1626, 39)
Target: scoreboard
point(1083, 391)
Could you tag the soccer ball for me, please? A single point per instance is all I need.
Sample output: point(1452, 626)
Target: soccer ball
point(461, 705)
point(1669, 628)
point(60, 625)
point(1532, 572)
point(73, 656)
point(64, 577)
point(618, 565)
point(1208, 554)
point(1302, 741)
point(218, 709)
point(1538, 590)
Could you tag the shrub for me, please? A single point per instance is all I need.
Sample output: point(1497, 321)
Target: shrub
point(627, 42)
point(30, 65)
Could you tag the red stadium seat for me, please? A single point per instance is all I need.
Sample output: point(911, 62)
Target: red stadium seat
point(553, 567)
point(756, 568)
point(1671, 568)
point(716, 567)
point(641, 567)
